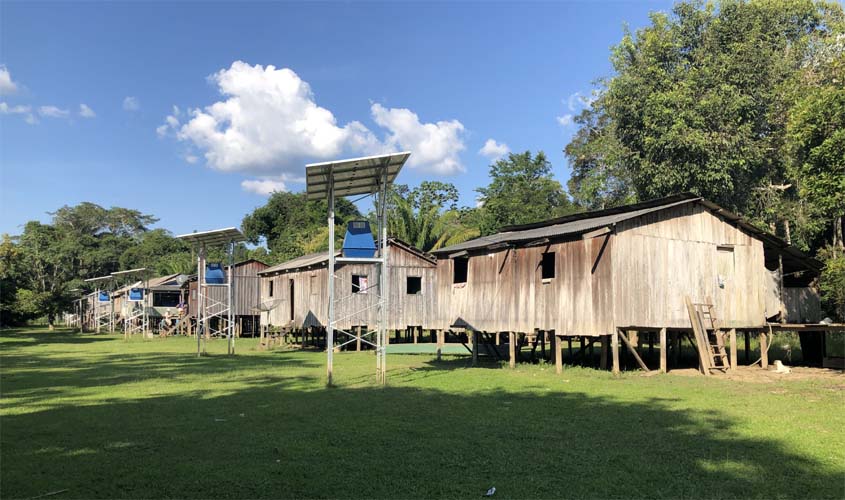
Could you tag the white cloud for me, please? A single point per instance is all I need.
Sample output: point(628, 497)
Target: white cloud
point(269, 123)
point(565, 120)
point(575, 103)
point(7, 85)
point(13, 110)
point(263, 187)
point(53, 112)
point(171, 122)
point(578, 101)
point(435, 147)
point(86, 112)
point(191, 158)
point(131, 103)
point(26, 111)
point(494, 150)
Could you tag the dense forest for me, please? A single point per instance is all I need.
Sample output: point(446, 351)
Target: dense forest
point(740, 102)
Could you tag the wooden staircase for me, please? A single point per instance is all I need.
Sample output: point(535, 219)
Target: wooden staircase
point(709, 337)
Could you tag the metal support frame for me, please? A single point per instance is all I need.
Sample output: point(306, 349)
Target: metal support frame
point(137, 319)
point(103, 313)
point(368, 176)
point(379, 299)
point(209, 307)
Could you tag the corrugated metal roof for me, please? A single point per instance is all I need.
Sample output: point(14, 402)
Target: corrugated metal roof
point(298, 263)
point(587, 221)
point(318, 258)
point(160, 280)
point(574, 224)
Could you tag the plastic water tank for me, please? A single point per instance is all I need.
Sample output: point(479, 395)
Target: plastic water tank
point(358, 241)
point(214, 274)
point(136, 294)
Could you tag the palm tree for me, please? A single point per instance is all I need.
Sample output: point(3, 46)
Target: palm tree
point(427, 228)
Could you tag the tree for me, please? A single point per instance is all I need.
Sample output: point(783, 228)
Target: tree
point(600, 178)
point(47, 271)
point(92, 219)
point(159, 252)
point(698, 103)
point(422, 222)
point(291, 226)
point(521, 190)
point(9, 282)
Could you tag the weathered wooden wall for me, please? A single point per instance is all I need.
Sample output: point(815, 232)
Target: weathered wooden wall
point(803, 305)
point(310, 295)
point(246, 293)
point(660, 258)
point(505, 290)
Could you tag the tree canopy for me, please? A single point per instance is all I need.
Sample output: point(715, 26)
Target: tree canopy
point(738, 101)
point(521, 190)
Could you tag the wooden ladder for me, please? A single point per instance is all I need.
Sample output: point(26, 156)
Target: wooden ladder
point(709, 338)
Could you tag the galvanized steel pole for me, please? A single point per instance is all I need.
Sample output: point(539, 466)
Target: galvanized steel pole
point(330, 273)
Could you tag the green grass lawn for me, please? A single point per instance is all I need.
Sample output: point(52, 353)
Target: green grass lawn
point(94, 416)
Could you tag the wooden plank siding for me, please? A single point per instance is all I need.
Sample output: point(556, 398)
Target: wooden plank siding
point(661, 257)
point(505, 290)
point(246, 293)
point(636, 275)
point(310, 294)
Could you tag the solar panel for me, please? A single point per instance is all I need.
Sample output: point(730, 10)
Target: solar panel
point(215, 237)
point(354, 176)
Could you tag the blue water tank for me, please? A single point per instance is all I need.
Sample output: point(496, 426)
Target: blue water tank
point(358, 241)
point(104, 297)
point(214, 274)
point(136, 294)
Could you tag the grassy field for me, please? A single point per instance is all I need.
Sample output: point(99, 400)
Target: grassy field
point(93, 416)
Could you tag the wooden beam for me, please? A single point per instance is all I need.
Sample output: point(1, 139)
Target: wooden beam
point(439, 334)
point(512, 349)
point(558, 354)
point(603, 355)
point(596, 233)
point(663, 351)
point(614, 349)
point(732, 334)
point(676, 348)
point(633, 352)
point(764, 350)
point(536, 243)
point(701, 343)
point(474, 348)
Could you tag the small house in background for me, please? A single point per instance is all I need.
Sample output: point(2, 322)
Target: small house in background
point(165, 294)
point(246, 292)
point(294, 293)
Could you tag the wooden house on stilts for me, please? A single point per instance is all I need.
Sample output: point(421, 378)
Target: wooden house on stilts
point(607, 276)
point(294, 295)
point(246, 296)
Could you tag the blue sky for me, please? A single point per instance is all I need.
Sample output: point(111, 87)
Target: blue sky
point(193, 110)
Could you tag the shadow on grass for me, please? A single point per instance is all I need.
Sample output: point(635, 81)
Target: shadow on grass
point(286, 436)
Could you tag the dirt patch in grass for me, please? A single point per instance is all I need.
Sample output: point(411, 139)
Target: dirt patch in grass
point(756, 374)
